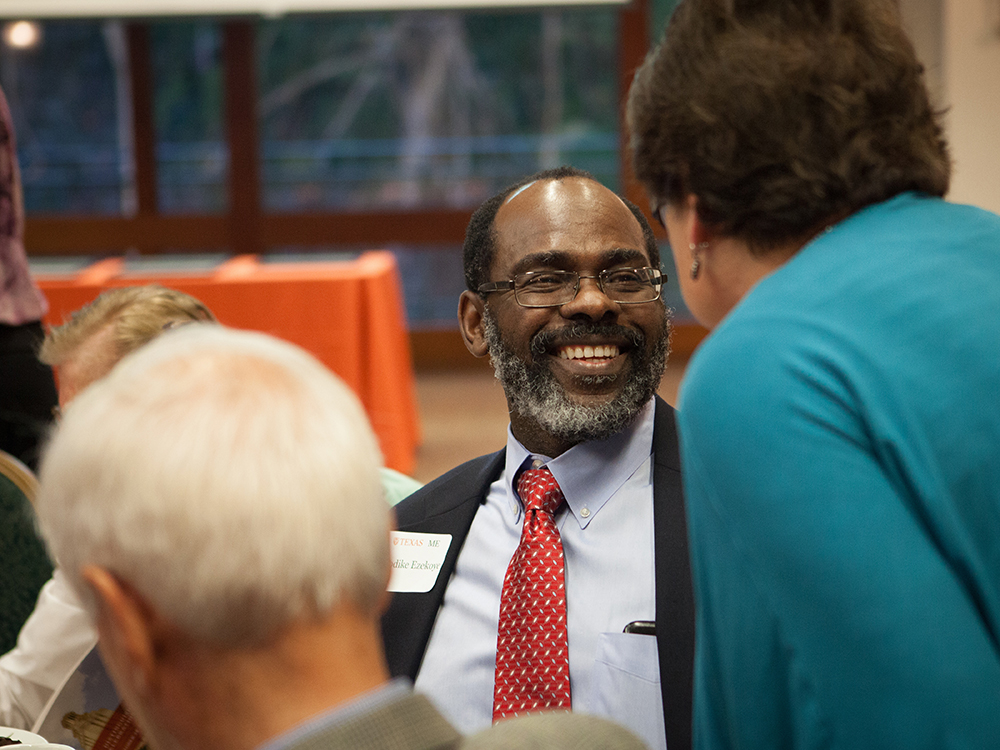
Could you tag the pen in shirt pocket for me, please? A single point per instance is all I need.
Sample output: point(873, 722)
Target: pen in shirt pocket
point(641, 627)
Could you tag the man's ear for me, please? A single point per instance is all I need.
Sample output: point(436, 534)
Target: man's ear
point(471, 309)
point(126, 626)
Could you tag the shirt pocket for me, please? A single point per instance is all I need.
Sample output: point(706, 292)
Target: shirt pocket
point(627, 684)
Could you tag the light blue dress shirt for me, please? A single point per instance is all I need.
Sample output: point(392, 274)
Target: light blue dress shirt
point(606, 527)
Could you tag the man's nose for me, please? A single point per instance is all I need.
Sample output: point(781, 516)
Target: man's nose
point(590, 301)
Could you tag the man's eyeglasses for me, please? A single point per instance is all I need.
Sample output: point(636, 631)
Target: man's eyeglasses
point(627, 286)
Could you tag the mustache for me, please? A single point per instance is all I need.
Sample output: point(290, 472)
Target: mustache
point(542, 341)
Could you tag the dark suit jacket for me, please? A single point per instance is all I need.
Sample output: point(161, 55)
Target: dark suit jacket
point(447, 506)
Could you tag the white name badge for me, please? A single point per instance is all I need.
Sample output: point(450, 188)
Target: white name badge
point(416, 560)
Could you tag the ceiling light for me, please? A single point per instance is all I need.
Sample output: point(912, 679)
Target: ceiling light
point(22, 34)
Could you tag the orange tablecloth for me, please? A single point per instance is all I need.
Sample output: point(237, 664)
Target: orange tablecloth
point(349, 314)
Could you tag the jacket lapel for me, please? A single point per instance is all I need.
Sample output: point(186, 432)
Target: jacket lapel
point(674, 594)
point(450, 505)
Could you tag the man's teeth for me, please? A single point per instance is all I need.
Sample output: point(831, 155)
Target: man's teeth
point(588, 352)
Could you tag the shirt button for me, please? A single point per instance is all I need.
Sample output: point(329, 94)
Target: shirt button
point(585, 512)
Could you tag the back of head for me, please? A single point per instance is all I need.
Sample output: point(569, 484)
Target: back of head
point(778, 114)
point(136, 314)
point(229, 478)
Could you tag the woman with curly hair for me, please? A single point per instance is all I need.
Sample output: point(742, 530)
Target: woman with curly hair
point(840, 427)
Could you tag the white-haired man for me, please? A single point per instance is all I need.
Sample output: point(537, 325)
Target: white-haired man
point(216, 501)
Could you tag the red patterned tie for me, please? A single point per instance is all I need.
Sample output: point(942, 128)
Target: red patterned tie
point(532, 672)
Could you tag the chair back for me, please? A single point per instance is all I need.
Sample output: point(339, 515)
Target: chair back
point(24, 562)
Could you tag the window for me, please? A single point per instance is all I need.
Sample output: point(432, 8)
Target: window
point(192, 161)
point(73, 129)
point(430, 110)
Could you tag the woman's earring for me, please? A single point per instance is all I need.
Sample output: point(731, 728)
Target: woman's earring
point(696, 262)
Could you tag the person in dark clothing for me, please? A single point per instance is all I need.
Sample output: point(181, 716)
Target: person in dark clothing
point(27, 388)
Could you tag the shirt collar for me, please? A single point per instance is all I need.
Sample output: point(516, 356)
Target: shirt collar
point(590, 473)
point(371, 700)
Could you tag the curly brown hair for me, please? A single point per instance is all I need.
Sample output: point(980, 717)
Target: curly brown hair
point(780, 114)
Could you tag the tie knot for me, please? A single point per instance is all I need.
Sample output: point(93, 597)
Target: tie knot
point(539, 490)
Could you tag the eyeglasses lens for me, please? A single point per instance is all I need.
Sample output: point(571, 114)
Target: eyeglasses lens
point(553, 288)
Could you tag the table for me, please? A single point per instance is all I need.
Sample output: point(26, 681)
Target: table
point(347, 313)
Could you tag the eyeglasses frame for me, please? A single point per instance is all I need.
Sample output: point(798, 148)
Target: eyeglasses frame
point(659, 278)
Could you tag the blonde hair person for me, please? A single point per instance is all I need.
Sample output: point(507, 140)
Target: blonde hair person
point(216, 500)
point(118, 322)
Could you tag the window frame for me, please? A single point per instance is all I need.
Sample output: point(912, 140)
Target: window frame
point(246, 227)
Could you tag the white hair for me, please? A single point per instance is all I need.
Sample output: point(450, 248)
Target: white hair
point(228, 477)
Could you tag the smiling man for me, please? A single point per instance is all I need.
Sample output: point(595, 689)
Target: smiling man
point(566, 583)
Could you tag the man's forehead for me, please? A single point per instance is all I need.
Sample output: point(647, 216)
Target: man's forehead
point(91, 360)
point(520, 190)
point(554, 191)
point(572, 209)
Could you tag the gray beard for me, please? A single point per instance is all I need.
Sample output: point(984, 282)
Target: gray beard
point(533, 391)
